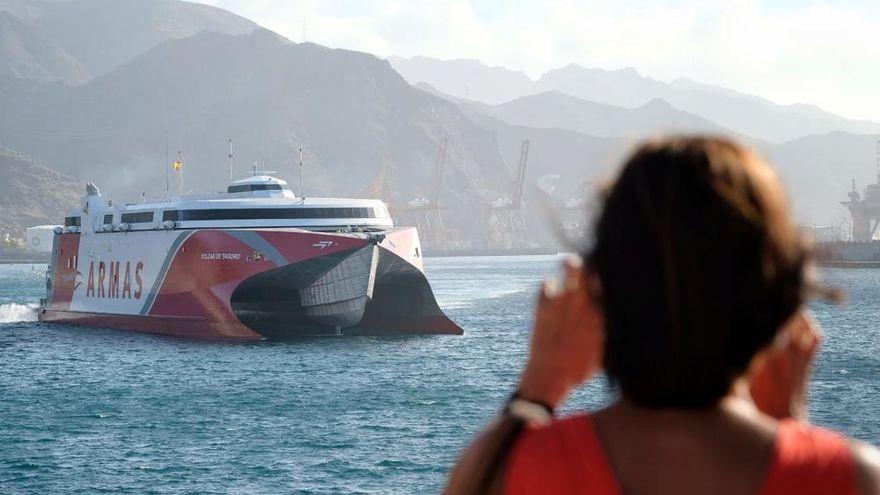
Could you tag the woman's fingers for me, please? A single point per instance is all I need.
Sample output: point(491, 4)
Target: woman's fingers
point(573, 273)
point(562, 300)
point(804, 340)
point(563, 351)
point(812, 334)
point(549, 289)
point(779, 379)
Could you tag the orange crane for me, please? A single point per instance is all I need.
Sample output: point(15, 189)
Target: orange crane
point(380, 187)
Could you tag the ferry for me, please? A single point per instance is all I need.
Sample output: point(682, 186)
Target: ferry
point(253, 262)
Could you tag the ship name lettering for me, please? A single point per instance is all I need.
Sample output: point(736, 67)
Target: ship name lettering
point(108, 280)
point(220, 256)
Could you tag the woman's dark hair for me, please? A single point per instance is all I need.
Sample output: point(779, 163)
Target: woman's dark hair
point(700, 265)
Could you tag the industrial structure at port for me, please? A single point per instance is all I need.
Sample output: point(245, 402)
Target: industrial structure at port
point(504, 224)
point(861, 247)
point(864, 210)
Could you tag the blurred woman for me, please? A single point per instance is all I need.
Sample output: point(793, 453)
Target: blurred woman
point(692, 302)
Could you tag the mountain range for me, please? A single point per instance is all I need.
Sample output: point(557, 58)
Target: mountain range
point(113, 94)
point(744, 114)
point(122, 118)
point(73, 41)
point(347, 110)
point(555, 110)
point(566, 112)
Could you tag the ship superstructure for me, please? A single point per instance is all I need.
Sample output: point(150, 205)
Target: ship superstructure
point(253, 261)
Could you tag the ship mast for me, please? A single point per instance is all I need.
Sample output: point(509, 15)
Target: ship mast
point(230, 159)
point(167, 186)
point(302, 193)
point(178, 167)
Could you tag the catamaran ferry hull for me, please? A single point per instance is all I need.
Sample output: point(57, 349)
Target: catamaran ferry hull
point(244, 284)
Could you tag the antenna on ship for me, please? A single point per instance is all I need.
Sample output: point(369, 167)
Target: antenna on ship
point(167, 187)
point(230, 159)
point(178, 167)
point(302, 193)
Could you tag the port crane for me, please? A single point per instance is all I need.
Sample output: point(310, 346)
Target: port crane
point(574, 213)
point(380, 187)
point(506, 222)
point(426, 211)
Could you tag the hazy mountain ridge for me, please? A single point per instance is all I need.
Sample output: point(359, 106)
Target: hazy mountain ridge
point(351, 111)
point(348, 110)
point(745, 114)
point(574, 156)
point(31, 56)
point(621, 87)
point(100, 35)
point(555, 109)
point(817, 170)
point(465, 78)
point(31, 194)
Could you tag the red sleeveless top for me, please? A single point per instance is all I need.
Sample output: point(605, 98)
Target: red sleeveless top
point(566, 457)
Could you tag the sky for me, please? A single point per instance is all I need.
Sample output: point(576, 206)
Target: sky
point(789, 51)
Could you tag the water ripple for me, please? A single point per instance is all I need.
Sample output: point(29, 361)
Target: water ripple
point(95, 410)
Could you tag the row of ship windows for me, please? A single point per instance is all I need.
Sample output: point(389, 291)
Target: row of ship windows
point(253, 187)
point(271, 214)
point(242, 214)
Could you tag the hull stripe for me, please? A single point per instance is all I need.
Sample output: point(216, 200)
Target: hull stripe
point(257, 242)
point(160, 278)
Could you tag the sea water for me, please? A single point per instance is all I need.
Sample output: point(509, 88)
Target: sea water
point(86, 410)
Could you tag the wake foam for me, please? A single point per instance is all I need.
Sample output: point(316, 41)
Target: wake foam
point(11, 313)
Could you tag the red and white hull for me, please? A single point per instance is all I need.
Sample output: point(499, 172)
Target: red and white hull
point(243, 283)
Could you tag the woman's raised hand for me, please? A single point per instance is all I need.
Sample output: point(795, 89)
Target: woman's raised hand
point(567, 341)
point(779, 378)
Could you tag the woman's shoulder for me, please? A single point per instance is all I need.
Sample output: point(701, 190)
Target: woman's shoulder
point(563, 456)
point(557, 436)
point(575, 424)
point(566, 456)
point(810, 459)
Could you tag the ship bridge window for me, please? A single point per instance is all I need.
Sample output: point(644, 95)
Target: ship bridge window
point(72, 221)
point(253, 187)
point(268, 214)
point(108, 219)
point(139, 217)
